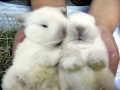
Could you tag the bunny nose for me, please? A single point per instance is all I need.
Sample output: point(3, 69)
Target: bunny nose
point(80, 29)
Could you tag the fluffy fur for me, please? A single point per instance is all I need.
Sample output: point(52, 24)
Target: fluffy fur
point(84, 65)
point(34, 64)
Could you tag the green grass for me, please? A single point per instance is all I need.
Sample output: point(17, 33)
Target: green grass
point(6, 42)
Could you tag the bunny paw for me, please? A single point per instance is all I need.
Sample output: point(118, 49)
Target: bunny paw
point(74, 67)
point(72, 64)
point(97, 60)
point(96, 65)
point(48, 59)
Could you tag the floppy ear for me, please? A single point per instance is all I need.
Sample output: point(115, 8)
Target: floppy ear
point(23, 17)
point(62, 9)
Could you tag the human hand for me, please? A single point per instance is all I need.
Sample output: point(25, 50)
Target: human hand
point(112, 49)
point(19, 37)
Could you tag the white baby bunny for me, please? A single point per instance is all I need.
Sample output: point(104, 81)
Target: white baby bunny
point(34, 64)
point(84, 65)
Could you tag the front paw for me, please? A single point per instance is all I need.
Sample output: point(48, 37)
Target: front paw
point(58, 55)
point(96, 65)
point(48, 59)
point(72, 63)
point(97, 60)
point(74, 66)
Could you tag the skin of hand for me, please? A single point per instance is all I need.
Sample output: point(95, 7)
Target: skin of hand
point(107, 15)
point(112, 49)
point(19, 37)
point(106, 22)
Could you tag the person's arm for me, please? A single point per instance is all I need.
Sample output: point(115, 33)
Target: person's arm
point(107, 15)
point(40, 3)
point(35, 5)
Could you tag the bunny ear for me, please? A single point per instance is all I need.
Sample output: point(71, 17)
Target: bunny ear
point(62, 9)
point(23, 17)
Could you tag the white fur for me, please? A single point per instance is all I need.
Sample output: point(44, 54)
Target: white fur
point(84, 65)
point(34, 64)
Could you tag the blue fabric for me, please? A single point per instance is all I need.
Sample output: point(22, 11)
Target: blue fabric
point(73, 9)
point(117, 39)
point(6, 7)
point(117, 78)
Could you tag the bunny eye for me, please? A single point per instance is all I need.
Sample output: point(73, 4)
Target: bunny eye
point(43, 25)
point(58, 44)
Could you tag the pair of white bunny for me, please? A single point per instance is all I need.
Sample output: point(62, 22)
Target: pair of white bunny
point(50, 59)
